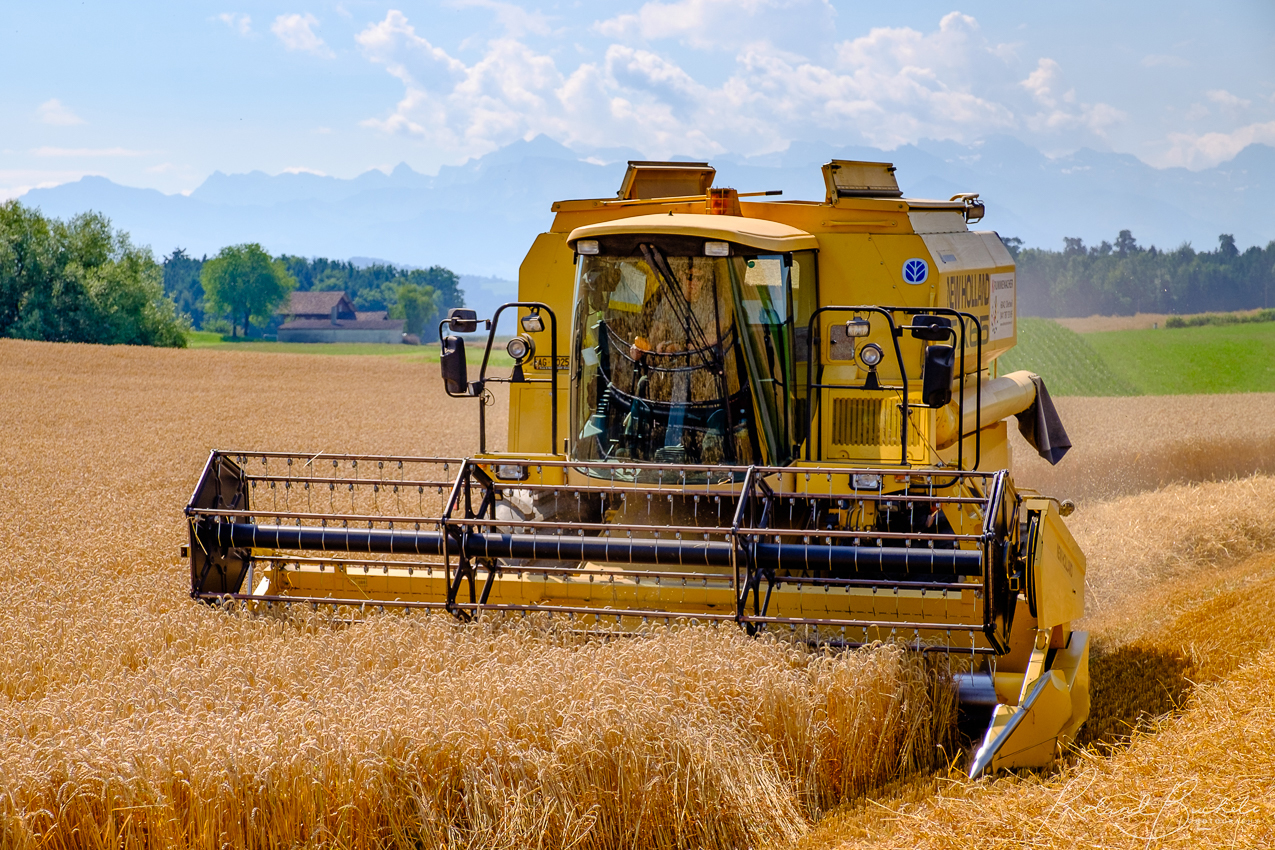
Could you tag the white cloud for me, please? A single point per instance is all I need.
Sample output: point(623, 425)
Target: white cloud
point(1042, 81)
point(892, 86)
point(1208, 149)
point(301, 169)
point(1062, 111)
point(53, 112)
point(1225, 98)
point(297, 33)
point(238, 22)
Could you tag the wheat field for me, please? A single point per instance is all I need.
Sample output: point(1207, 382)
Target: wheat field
point(131, 716)
point(1127, 445)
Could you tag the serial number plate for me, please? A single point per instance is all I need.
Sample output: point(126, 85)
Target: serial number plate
point(542, 363)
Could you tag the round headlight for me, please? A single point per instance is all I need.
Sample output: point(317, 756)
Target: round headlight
point(870, 355)
point(519, 348)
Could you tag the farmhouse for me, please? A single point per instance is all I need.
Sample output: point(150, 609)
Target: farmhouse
point(331, 317)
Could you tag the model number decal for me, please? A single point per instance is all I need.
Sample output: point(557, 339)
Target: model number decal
point(542, 363)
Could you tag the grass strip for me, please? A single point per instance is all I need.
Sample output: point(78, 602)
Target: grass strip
point(1064, 358)
point(1232, 358)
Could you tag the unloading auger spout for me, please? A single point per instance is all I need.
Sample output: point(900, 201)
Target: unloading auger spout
point(784, 416)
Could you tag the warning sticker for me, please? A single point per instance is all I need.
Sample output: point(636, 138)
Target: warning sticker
point(1000, 307)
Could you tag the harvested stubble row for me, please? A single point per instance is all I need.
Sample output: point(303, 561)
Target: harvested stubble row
point(131, 716)
point(1183, 581)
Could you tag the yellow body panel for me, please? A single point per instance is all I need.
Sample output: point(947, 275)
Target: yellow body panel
point(710, 593)
point(1058, 568)
point(1031, 735)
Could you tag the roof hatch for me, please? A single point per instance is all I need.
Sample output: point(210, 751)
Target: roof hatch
point(666, 179)
point(846, 178)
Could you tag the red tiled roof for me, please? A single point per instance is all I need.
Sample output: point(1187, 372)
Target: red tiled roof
point(317, 304)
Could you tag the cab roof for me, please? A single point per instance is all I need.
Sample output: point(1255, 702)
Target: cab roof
point(752, 232)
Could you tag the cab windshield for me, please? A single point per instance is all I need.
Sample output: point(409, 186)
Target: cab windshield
point(683, 358)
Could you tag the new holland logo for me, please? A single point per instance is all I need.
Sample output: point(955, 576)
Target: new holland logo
point(916, 271)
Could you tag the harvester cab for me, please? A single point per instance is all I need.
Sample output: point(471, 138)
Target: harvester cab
point(786, 415)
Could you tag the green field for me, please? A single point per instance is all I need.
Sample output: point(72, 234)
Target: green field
point(1220, 358)
point(1209, 359)
point(427, 353)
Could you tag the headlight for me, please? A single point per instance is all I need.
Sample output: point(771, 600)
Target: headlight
point(870, 355)
point(520, 348)
point(861, 481)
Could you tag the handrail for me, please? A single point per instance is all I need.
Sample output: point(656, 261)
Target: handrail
point(492, 324)
point(814, 407)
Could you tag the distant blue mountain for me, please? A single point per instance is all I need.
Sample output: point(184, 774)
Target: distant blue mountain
point(479, 218)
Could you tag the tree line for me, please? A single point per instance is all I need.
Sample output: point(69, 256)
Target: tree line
point(201, 288)
point(1125, 278)
point(80, 280)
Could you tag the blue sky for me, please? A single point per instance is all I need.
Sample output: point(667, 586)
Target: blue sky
point(161, 94)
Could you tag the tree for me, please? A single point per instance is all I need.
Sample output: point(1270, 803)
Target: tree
point(80, 281)
point(416, 305)
point(242, 281)
point(1126, 244)
point(181, 283)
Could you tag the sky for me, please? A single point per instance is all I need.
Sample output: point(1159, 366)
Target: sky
point(161, 94)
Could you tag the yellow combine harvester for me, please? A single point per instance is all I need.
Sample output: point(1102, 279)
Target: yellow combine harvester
point(786, 415)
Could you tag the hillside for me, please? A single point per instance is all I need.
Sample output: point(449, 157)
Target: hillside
point(1064, 358)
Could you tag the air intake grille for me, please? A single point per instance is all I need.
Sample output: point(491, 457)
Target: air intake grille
point(864, 422)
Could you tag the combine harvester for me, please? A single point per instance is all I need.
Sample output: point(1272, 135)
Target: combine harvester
point(785, 415)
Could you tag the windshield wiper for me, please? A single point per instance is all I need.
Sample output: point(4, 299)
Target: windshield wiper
point(714, 356)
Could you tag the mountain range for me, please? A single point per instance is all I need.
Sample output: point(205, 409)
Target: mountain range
point(479, 218)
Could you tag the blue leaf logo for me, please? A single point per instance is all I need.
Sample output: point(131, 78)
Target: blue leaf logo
point(916, 271)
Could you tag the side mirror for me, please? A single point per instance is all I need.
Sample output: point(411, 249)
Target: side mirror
point(936, 376)
point(452, 364)
point(931, 328)
point(462, 320)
